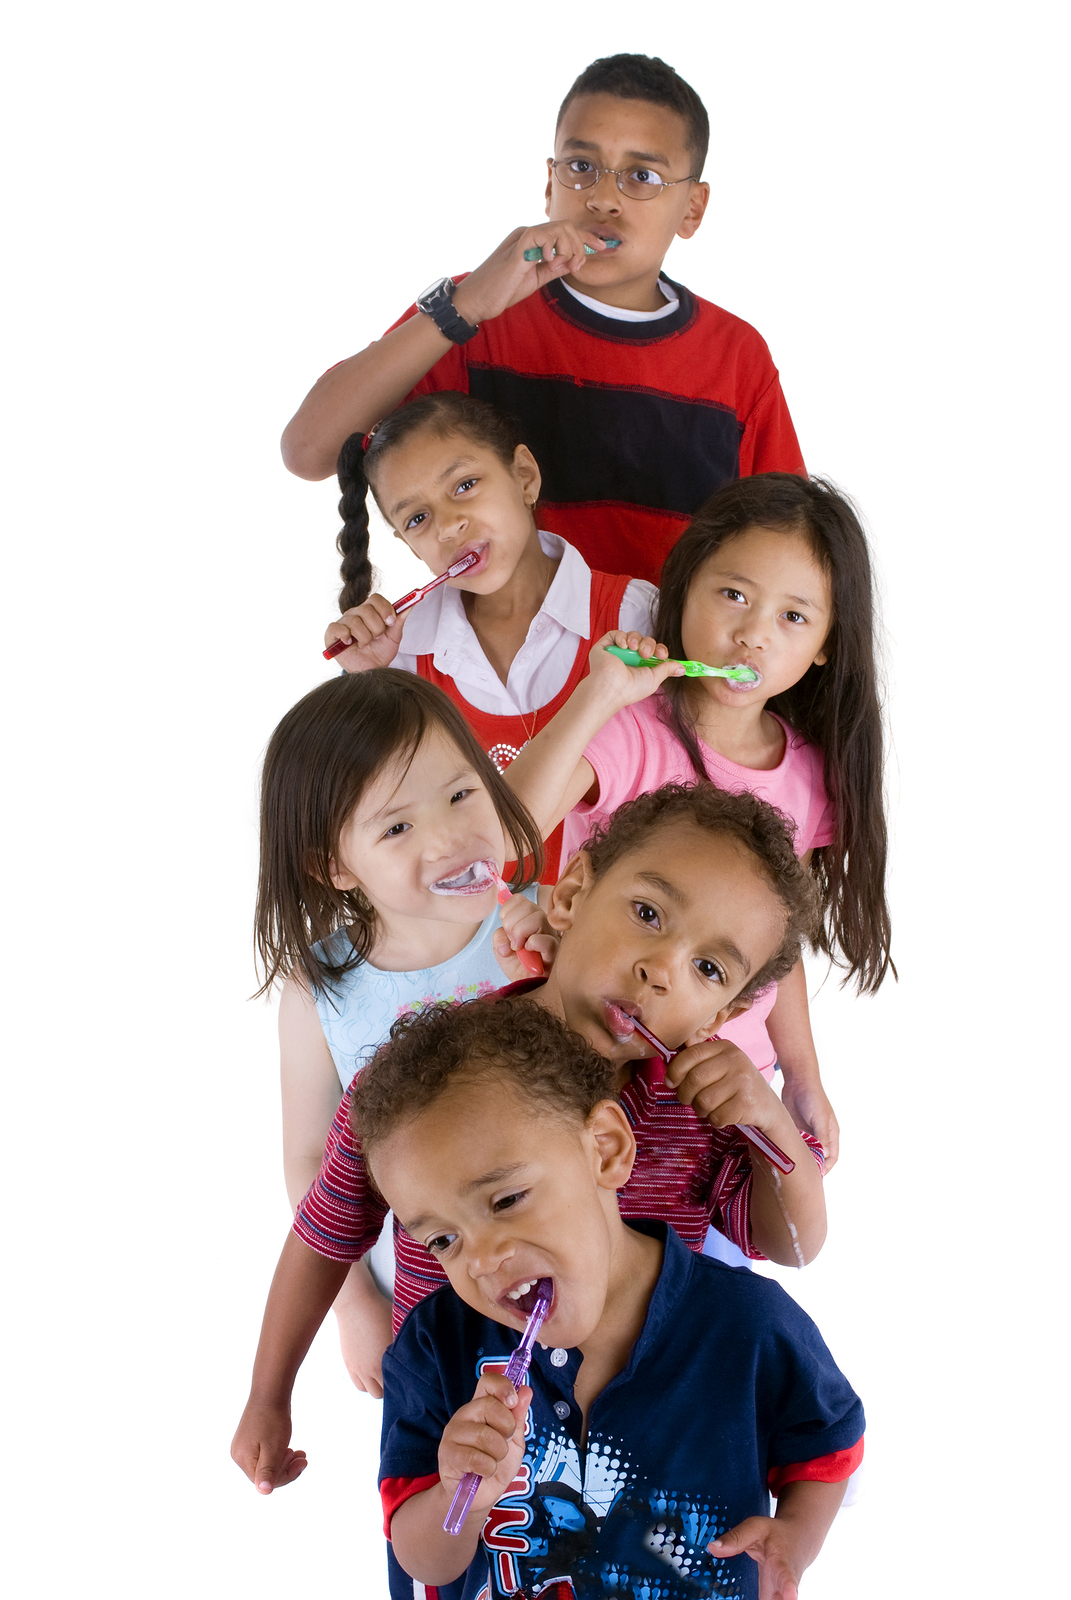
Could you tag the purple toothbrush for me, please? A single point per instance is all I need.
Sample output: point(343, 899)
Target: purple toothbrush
point(516, 1371)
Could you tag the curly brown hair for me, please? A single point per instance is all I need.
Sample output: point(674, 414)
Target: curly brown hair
point(514, 1039)
point(754, 824)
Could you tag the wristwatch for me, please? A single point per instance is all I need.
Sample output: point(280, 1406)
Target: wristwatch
point(437, 303)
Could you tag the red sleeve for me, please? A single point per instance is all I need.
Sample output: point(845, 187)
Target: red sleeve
point(823, 1469)
point(730, 1195)
point(769, 442)
point(394, 1492)
point(342, 1215)
point(449, 372)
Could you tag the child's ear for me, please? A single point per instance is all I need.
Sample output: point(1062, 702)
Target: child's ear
point(340, 877)
point(821, 658)
point(526, 471)
point(615, 1145)
point(696, 209)
point(569, 892)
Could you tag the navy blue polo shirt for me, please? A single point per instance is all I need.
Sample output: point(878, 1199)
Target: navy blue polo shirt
point(728, 1379)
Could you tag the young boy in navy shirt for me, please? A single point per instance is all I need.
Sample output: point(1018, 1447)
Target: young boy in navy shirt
point(637, 398)
point(668, 1393)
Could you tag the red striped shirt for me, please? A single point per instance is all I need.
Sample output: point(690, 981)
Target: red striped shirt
point(686, 1173)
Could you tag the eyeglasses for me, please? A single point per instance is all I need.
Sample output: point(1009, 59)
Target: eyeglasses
point(638, 183)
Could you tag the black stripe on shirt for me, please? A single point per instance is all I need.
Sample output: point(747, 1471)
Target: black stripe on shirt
point(611, 443)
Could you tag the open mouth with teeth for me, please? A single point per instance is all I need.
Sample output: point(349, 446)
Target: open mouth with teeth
point(522, 1297)
point(476, 878)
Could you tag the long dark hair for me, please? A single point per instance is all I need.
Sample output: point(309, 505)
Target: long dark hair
point(836, 706)
point(320, 759)
point(445, 413)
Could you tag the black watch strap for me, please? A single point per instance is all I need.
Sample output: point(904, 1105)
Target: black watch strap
point(437, 303)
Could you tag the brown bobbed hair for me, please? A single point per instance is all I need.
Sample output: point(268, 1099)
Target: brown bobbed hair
point(753, 824)
point(515, 1039)
point(836, 706)
point(320, 759)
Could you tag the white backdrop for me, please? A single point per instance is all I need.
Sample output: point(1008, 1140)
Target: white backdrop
point(209, 206)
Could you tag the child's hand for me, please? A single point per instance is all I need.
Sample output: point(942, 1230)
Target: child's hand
point(506, 277)
point(610, 679)
point(486, 1436)
point(375, 631)
point(768, 1542)
point(721, 1085)
point(524, 926)
point(261, 1447)
point(809, 1108)
point(364, 1332)
point(788, 1214)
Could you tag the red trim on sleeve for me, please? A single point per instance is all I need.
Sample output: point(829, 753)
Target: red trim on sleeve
point(823, 1469)
point(394, 1492)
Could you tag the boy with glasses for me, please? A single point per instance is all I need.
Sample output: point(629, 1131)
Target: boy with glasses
point(637, 398)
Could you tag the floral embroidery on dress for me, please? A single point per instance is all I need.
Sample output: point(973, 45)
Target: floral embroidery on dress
point(464, 991)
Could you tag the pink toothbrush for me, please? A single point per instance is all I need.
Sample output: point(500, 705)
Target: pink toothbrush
point(411, 599)
point(516, 1371)
point(754, 1136)
point(530, 959)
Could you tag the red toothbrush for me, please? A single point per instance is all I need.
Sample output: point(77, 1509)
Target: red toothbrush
point(754, 1136)
point(531, 959)
point(410, 599)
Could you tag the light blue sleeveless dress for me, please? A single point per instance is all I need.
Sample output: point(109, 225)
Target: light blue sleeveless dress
point(356, 1012)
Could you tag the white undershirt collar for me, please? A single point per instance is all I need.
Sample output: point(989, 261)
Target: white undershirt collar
point(619, 313)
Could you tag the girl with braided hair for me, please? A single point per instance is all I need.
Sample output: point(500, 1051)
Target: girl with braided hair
point(509, 639)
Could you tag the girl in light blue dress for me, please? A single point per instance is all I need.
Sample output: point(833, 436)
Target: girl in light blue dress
point(383, 826)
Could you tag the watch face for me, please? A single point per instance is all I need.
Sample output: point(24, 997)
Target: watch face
point(441, 288)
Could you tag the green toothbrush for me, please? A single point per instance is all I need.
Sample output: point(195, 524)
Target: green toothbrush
point(692, 669)
point(535, 253)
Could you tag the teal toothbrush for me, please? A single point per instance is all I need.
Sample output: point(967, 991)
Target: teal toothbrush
point(536, 251)
point(692, 669)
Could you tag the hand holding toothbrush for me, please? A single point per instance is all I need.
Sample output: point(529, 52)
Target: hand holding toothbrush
point(485, 1439)
point(720, 1084)
point(512, 272)
point(515, 918)
point(612, 680)
point(787, 1210)
point(375, 626)
point(524, 938)
point(516, 1371)
point(366, 636)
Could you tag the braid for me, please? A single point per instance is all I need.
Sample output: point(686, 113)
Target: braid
point(352, 539)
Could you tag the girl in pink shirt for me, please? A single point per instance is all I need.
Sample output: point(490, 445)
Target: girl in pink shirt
point(774, 574)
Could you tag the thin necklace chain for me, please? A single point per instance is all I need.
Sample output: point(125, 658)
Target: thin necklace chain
point(529, 732)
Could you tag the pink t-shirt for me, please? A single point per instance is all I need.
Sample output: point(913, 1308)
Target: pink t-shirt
point(635, 752)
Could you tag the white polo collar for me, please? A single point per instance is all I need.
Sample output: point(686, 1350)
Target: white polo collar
point(439, 622)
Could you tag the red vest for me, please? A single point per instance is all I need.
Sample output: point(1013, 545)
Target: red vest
point(505, 737)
